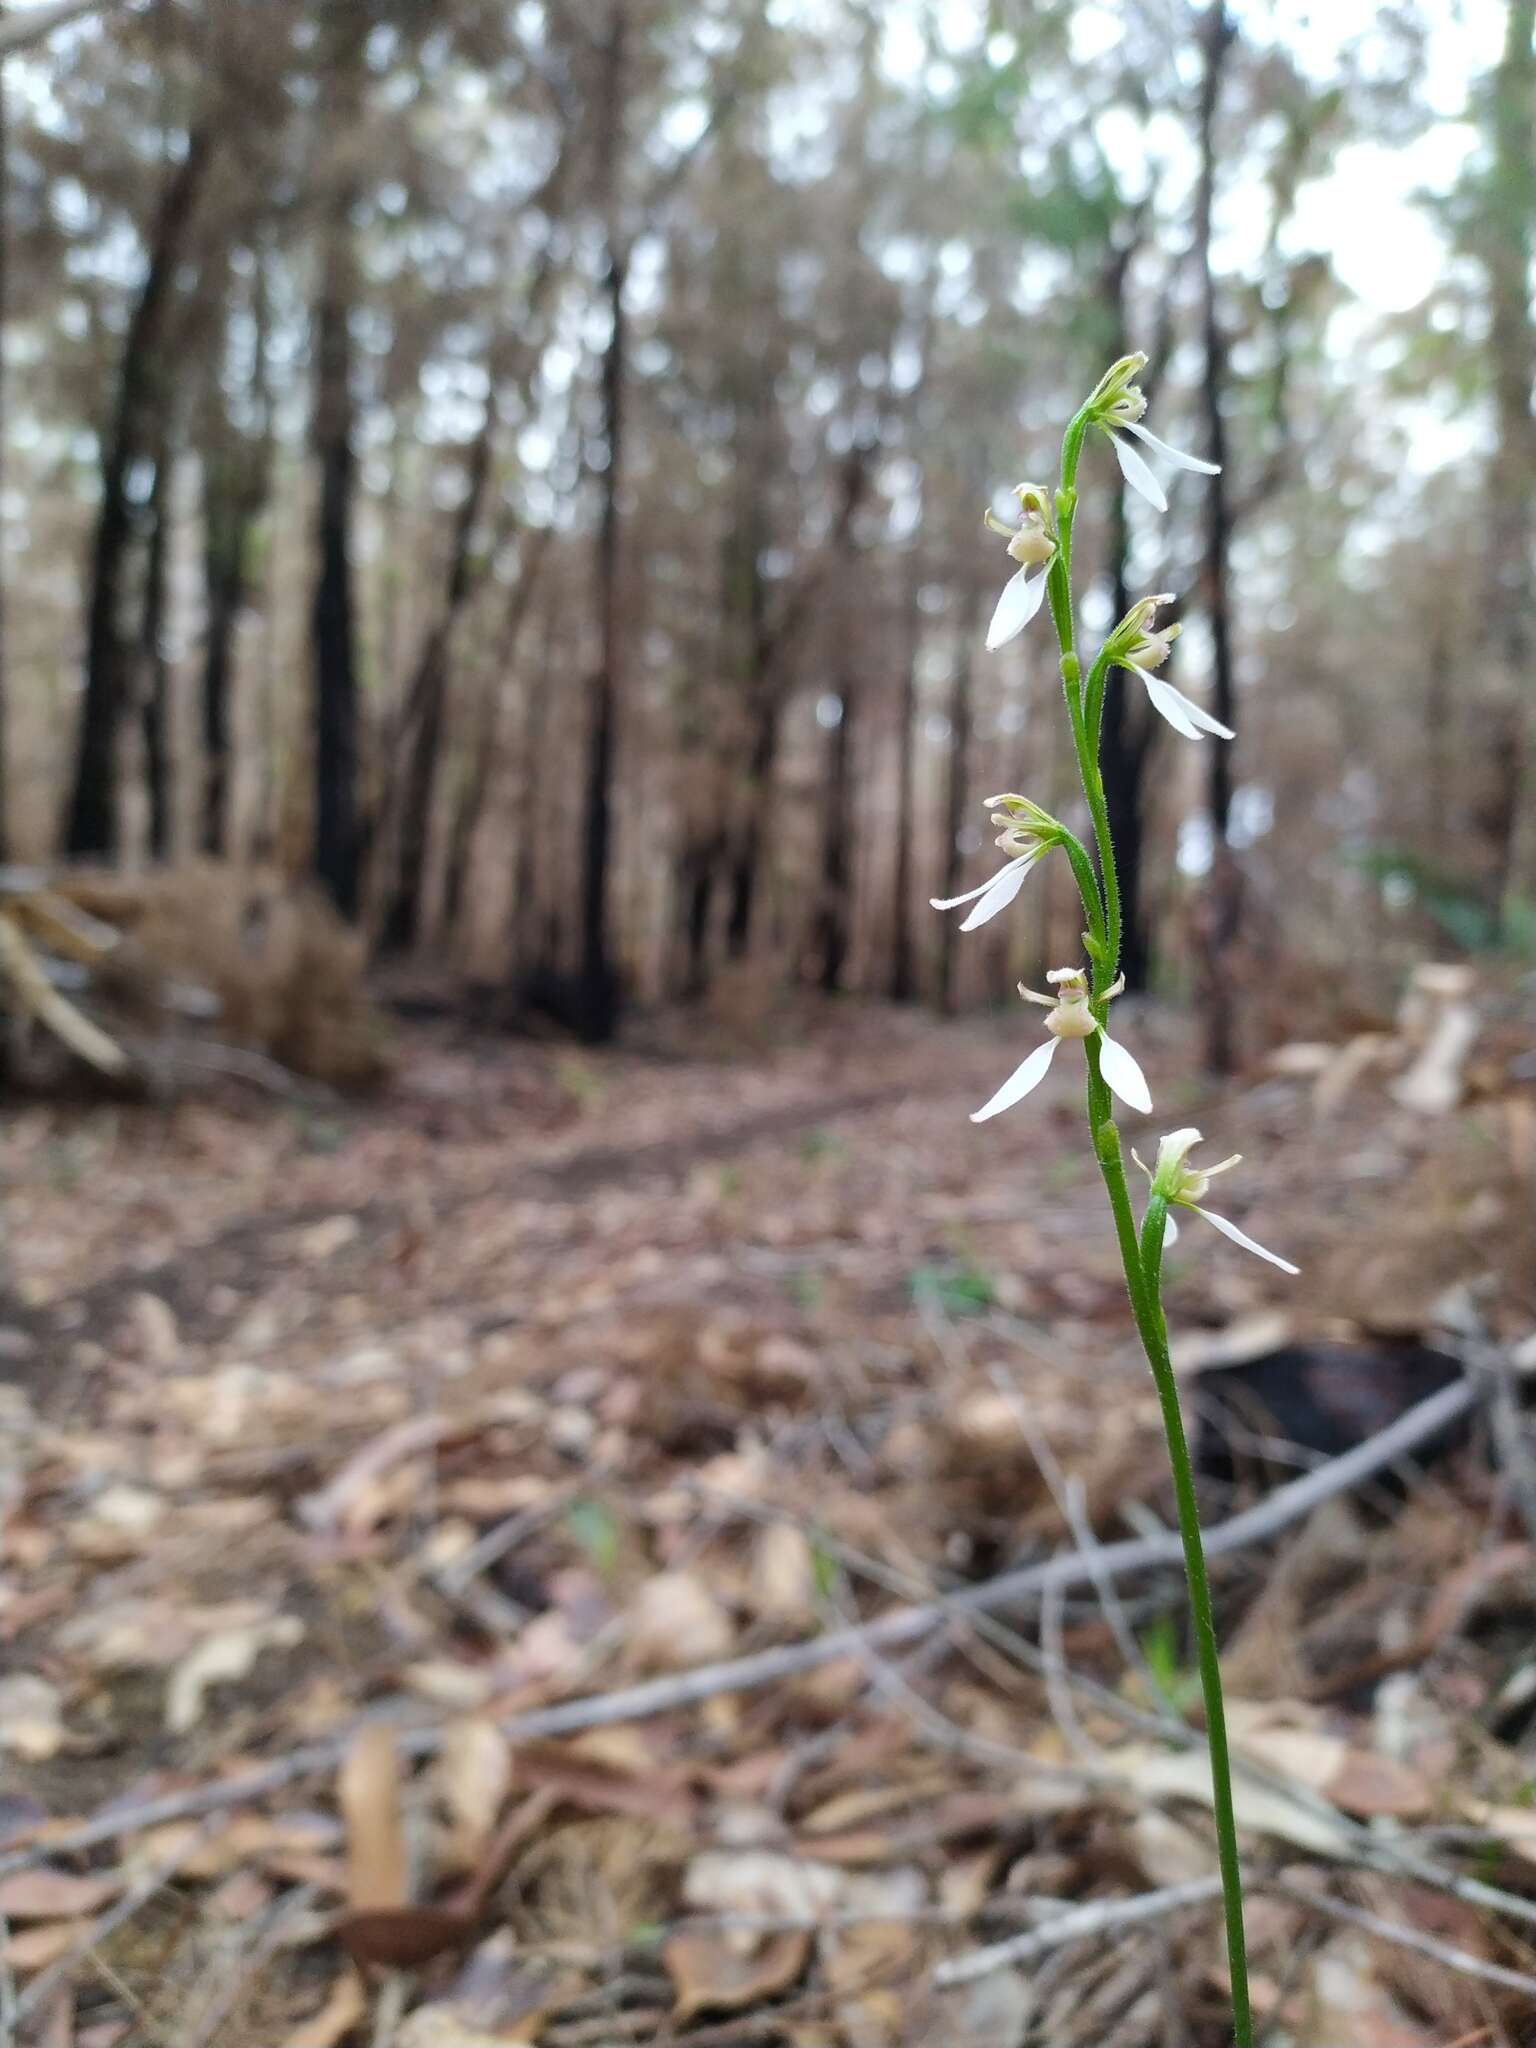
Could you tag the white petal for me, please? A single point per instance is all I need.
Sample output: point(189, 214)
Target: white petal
point(1002, 892)
point(1137, 474)
point(1190, 719)
point(1123, 1074)
point(1018, 1084)
point(1240, 1237)
point(981, 888)
point(1174, 455)
point(1170, 1230)
point(1018, 604)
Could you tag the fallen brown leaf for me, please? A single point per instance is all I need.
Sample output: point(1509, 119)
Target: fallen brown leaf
point(712, 1973)
point(36, 1947)
point(368, 1792)
point(403, 1937)
point(345, 2007)
point(55, 1894)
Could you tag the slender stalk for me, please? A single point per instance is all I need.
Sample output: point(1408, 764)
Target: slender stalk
point(1141, 1257)
point(1154, 1338)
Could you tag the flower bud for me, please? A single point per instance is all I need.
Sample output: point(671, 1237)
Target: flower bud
point(1135, 643)
point(1116, 397)
point(1024, 827)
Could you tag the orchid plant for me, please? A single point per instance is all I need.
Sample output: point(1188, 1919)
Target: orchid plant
point(1041, 545)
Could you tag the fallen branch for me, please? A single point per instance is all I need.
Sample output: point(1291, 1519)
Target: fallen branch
point(1084, 1923)
point(1079, 1923)
point(1067, 1571)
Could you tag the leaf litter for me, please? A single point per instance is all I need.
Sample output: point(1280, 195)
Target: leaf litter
point(511, 1396)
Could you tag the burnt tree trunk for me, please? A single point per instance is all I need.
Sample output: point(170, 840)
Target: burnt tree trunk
point(237, 470)
point(1126, 732)
point(957, 789)
point(333, 632)
point(903, 977)
point(1222, 910)
point(91, 821)
point(834, 922)
point(470, 808)
point(154, 675)
point(597, 1005)
point(529, 957)
point(425, 707)
point(1508, 234)
point(837, 833)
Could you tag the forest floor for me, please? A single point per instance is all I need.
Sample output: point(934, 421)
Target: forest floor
point(364, 1463)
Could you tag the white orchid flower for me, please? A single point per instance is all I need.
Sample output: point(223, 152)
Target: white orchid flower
point(1183, 1186)
point(1136, 646)
point(1027, 835)
point(1071, 1017)
point(1032, 545)
point(1117, 407)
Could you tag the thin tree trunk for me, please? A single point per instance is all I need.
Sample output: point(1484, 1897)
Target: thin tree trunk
point(426, 704)
point(957, 793)
point(1125, 746)
point(471, 807)
point(337, 848)
point(1509, 233)
point(835, 908)
point(5, 254)
point(837, 834)
point(237, 471)
point(761, 690)
point(1223, 906)
point(903, 981)
point(598, 991)
point(1126, 735)
point(154, 676)
point(527, 960)
point(91, 821)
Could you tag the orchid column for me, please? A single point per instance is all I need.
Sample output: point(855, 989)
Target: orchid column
point(1041, 544)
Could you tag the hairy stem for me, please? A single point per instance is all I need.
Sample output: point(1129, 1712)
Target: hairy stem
point(1154, 1338)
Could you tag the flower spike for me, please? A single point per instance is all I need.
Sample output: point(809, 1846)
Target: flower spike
point(1183, 1186)
point(1071, 1017)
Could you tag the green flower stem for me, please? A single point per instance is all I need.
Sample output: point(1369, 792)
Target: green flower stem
point(1141, 1257)
point(1154, 1337)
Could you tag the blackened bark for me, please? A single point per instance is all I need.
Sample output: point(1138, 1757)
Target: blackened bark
point(477, 782)
point(1126, 732)
point(837, 833)
point(91, 820)
point(834, 919)
point(769, 683)
point(154, 674)
point(598, 989)
point(698, 870)
point(762, 697)
point(332, 616)
point(527, 957)
point(1222, 914)
point(237, 470)
point(957, 789)
point(903, 981)
point(426, 704)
